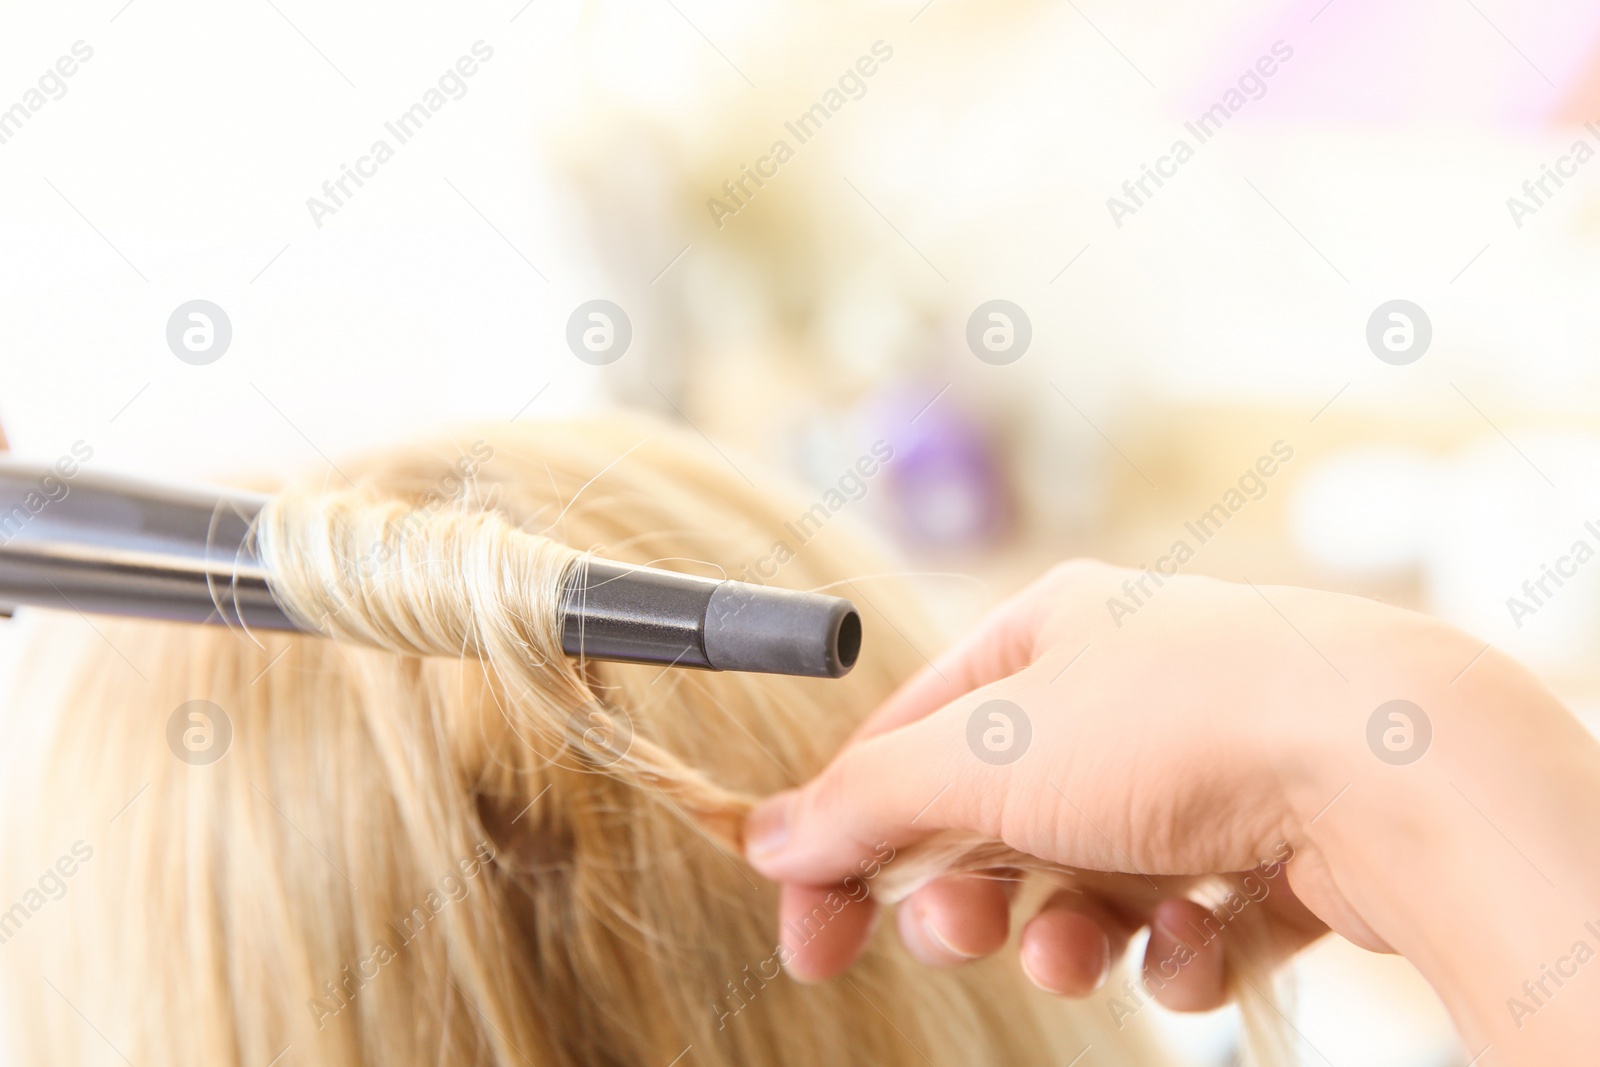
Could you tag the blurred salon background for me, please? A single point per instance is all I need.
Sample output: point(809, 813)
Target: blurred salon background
point(981, 245)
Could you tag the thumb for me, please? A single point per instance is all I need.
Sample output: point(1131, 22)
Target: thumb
point(888, 790)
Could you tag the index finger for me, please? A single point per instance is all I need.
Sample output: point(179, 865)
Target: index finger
point(1003, 643)
point(878, 794)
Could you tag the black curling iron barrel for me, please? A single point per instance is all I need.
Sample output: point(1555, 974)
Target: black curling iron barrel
point(614, 611)
point(103, 544)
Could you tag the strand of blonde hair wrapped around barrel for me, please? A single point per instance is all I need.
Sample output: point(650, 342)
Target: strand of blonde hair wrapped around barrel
point(359, 567)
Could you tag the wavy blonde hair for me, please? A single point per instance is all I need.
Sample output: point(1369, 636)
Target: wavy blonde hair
point(434, 839)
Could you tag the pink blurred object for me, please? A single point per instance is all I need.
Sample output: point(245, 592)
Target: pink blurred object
point(1375, 63)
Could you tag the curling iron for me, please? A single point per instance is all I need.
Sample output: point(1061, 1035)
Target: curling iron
point(112, 545)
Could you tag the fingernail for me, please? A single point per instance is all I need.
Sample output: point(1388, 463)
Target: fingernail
point(766, 831)
point(1105, 967)
point(931, 932)
point(1159, 926)
point(1027, 969)
point(1031, 968)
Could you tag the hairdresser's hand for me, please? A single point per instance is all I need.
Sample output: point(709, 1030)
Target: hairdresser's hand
point(1204, 728)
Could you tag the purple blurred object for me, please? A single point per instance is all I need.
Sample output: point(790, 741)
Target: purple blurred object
point(946, 486)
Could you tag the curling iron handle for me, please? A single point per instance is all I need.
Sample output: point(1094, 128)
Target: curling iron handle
point(119, 546)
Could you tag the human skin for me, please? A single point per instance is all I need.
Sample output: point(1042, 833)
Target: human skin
point(1198, 737)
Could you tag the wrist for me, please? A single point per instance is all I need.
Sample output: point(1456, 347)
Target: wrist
point(1461, 830)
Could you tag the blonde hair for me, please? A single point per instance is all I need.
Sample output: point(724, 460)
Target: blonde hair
point(435, 839)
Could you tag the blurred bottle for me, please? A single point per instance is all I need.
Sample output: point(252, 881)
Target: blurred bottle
point(947, 486)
